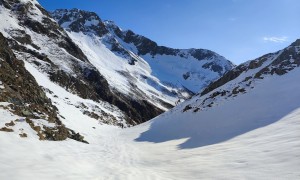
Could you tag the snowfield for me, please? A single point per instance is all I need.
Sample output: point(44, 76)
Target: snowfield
point(266, 153)
point(253, 136)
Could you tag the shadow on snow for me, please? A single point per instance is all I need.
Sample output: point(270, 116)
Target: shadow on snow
point(220, 123)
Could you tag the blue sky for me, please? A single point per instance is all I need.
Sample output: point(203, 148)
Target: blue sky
point(240, 30)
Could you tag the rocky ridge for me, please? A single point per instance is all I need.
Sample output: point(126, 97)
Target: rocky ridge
point(244, 77)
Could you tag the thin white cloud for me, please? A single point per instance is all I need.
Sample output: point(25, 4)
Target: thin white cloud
point(276, 39)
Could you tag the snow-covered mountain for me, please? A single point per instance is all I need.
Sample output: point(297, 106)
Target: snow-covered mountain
point(51, 56)
point(172, 72)
point(89, 69)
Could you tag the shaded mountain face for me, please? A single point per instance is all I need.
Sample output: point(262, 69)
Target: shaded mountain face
point(186, 70)
point(254, 94)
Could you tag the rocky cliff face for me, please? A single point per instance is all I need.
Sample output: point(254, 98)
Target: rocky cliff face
point(19, 86)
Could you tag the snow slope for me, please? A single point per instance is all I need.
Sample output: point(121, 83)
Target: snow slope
point(255, 135)
point(127, 79)
point(271, 99)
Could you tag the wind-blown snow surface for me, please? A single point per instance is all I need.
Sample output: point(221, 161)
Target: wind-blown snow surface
point(253, 136)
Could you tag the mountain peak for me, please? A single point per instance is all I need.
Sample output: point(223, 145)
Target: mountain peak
point(79, 21)
point(110, 23)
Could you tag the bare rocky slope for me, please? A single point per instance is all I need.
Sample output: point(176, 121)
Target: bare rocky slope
point(27, 99)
